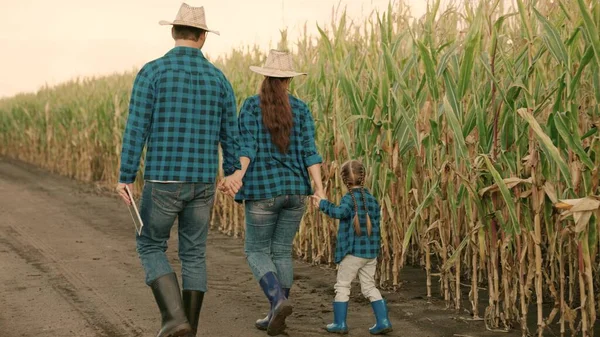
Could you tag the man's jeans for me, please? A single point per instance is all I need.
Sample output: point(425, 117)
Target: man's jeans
point(271, 226)
point(161, 204)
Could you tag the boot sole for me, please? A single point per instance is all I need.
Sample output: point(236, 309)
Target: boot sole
point(179, 331)
point(338, 332)
point(262, 327)
point(383, 332)
point(277, 323)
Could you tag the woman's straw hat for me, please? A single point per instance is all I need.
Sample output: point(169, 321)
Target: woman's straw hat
point(189, 16)
point(278, 64)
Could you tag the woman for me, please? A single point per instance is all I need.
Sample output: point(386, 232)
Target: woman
point(278, 153)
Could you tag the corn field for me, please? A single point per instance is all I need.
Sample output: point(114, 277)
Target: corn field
point(478, 125)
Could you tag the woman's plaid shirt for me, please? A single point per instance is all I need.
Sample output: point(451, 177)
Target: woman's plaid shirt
point(272, 173)
point(347, 240)
point(181, 108)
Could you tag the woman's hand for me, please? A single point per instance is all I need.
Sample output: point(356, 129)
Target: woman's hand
point(316, 199)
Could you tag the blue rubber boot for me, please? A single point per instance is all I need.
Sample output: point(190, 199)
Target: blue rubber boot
point(340, 311)
point(263, 324)
point(281, 307)
point(383, 324)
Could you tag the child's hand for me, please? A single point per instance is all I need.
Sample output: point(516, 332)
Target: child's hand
point(316, 200)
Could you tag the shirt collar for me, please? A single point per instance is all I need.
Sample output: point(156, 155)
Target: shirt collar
point(186, 51)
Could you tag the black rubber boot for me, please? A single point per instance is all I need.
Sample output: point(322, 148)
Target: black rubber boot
point(192, 303)
point(168, 298)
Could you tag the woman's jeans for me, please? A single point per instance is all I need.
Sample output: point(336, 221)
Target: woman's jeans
point(161, 204)
point(271, 225)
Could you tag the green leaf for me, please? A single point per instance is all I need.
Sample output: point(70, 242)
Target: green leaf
point(552, 40)
point(572, 140)
point(590, 28)
point(413, 223)
point(547, 145)
point(508, 199)
point(429, 70)
point(462, 153)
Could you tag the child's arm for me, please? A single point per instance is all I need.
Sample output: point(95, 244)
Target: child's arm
point(344, 210)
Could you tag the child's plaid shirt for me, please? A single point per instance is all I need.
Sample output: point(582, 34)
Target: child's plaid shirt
point(348, 242)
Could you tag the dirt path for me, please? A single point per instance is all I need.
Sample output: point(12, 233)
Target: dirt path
point(68, 267)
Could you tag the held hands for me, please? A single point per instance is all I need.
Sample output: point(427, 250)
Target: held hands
point(123, 193)
point(230, 185)
point(317, 197)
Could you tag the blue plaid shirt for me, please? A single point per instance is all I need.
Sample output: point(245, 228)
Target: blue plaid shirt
point(272, 173)
point(347, 240)
point(181, 107)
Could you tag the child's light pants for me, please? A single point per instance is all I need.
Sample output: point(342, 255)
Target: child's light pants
point(347, 271)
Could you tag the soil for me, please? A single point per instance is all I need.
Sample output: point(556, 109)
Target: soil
point(68, 267)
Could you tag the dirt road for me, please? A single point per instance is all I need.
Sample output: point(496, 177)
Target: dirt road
point(68, 267)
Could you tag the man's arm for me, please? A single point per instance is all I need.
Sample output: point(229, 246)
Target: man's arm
point(228, 136)
point(136, 132)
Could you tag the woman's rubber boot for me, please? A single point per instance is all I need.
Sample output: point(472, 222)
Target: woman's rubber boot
point(192, 303)
point(168, 298)
point(263, 324)
point(340, 311)
point(281, 306)
point(383, 324)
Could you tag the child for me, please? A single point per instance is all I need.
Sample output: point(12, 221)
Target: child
point(358, 244)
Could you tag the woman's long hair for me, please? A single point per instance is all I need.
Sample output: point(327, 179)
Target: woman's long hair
point(276, 111)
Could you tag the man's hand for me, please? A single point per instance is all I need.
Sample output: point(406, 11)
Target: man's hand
point(230, 185)
point(123, 193)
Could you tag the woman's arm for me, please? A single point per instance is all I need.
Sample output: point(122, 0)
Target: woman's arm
point(312, 159)
point(315, 174)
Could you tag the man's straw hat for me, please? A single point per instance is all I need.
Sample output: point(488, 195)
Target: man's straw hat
point(189, 16)
point(278, 64)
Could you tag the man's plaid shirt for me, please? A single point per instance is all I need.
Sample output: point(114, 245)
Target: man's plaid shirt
point(181, 107)
point(347, 240)
point(272, 173)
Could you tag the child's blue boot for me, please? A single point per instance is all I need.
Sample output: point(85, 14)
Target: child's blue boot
point(340, 311)
point(383, 324)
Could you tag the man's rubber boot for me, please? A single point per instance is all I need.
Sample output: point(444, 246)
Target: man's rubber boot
point(168, 298)
point(192, 303)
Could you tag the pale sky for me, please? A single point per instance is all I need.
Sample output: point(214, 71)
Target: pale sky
point(51, 41)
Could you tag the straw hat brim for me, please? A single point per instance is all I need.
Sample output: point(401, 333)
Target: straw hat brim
point(190, 24)
point(274, 72)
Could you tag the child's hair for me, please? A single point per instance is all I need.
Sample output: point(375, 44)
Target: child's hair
point(353, 174)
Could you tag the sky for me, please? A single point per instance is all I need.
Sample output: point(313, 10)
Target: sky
point(52, 41)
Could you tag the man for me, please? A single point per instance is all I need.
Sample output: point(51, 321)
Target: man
point(181, 108)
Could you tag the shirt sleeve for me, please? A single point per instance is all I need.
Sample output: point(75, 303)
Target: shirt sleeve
point(229, 134)
point(248, 130)
point(344, 210)
point(141, 106)
point(309, 148)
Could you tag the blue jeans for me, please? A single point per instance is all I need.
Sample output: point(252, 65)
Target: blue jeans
point(271, 225)
point(161, 204)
